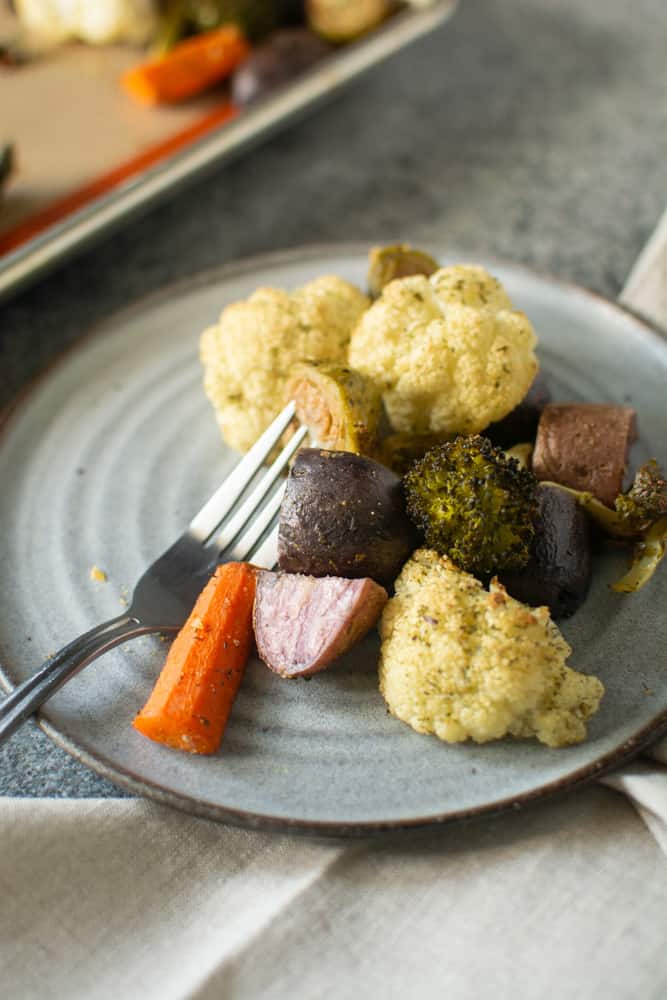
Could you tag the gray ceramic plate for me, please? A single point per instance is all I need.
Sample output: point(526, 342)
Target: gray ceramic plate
point(110, 454)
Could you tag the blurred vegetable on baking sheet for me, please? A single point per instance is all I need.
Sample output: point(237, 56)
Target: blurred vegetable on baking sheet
point(341, 21)
point(255, 18)
point(6, 162)
point(192, 66)
point(51, 22)
point(282, 39)
point(161, 24)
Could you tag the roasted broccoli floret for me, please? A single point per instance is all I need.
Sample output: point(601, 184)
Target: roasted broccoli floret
point(646, 500)
point(474, 504)
point(644, 509)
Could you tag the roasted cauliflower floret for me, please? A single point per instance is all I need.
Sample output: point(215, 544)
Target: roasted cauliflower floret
point(450, 351)
point(466, 663)
point(248, 354)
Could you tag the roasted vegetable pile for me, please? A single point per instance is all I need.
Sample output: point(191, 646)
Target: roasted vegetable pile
point(464, 552)
point(277, 40)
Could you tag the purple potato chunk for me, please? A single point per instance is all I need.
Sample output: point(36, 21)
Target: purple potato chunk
point(558, 572)
point(343, 515)
point(284, 56)
point(521, 424)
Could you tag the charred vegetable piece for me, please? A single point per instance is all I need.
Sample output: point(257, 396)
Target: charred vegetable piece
point(585, 446)
point(473, 504)
point(13, 54)
point(343, 22)
point(343, 515)
point(397, 261)
point(282, 57)
point(6, 162)
point(558, 571)
point(521, 423)
point(304, 623)
point(341, 407)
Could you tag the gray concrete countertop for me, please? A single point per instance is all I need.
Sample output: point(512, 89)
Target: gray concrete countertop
point(525, 129)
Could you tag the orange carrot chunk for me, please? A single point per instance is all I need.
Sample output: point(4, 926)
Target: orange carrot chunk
point(190, 704)
point(189, 68)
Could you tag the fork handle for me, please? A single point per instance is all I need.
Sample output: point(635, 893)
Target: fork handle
point(28, 696)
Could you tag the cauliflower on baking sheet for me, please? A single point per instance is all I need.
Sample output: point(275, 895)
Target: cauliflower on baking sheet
point(248, 354)
point(466, 663)
point(99, 23)
point(450, 351)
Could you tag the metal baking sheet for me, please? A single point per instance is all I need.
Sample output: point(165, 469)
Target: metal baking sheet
point(172, 164)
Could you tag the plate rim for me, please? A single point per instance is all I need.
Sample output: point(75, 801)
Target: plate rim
point(359, 828)
point(126, 779)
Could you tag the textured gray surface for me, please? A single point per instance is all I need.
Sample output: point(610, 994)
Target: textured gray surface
point(528, 130)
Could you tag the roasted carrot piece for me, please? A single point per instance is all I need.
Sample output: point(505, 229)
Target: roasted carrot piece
point(189, 68)
point(190, 704)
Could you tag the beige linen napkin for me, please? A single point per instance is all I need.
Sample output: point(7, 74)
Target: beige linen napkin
point(645, 292)
point(122, 899)
point(113, 899)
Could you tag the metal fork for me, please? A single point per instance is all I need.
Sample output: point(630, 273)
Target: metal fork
point(166, 593)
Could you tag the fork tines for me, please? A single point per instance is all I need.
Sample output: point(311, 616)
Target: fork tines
point(263, 501)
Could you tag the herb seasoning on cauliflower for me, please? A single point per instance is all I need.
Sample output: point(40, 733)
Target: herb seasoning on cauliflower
point(247, 356)
point(466, 663)
point(450, 351)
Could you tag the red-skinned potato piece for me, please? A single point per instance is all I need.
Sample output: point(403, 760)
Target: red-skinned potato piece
point(304, 623)
point(585, 446)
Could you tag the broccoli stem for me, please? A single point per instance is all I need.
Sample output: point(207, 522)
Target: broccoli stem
point(611, 522)
point(646, 558)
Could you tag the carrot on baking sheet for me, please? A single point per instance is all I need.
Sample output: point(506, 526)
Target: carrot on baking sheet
point(189, 68)
point(190, 704)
